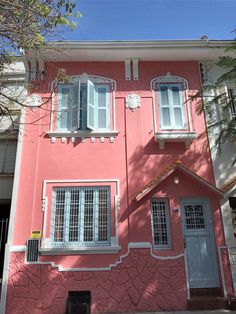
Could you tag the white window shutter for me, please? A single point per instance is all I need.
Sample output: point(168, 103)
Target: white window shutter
point(63, 102)
point(92, 107)
point(103, 107)
point(75, 107)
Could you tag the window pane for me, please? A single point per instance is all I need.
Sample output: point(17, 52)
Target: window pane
point(102, 214)
point(101, 97)
point(2, 154)
point(74, 215)
point(102, 120)
point(64, 119)
point(59, 216)
point(83, 107)
point(159, 223)
point(88, 214)
point(166, 116)
point(178, 117)
point(164, 96)
point(80, 216)
point(176, 96)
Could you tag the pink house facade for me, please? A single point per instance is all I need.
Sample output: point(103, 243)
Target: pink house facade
point(114, 204)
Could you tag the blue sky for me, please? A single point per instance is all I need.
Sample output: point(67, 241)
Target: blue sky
point(154, 19)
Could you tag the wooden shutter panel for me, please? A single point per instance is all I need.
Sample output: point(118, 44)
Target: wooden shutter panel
point(91, 105)
point(103, 106)
point(75, 107)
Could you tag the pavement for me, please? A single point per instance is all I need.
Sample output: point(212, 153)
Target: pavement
point(188, 312)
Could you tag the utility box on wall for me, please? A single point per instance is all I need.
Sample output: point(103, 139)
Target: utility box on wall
point(78, 302)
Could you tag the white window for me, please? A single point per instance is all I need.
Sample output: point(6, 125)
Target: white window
point(83, 106)
point(160, 223)
point(7, 156)
point(81, 216)
point(171, 106)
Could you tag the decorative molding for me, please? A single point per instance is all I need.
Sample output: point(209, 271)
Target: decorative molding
point(133, 102)
point(79, 250)
point(102, 139)
point(53, 139)
point(135, 69)
point(33, 100)
point(128, 69)
point(84, 77)
point(112, 139)
point(92, 139)
point(169, 78)
point(82, 134)
point(186, 137)
point(131, 245)
point(63, 139)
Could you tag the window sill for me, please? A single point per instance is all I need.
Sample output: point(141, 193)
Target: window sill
point(79, 250)
point(63, 135)
point(186, 137)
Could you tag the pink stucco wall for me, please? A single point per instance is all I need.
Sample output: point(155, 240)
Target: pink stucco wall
point(140, 283)
point(134, 159)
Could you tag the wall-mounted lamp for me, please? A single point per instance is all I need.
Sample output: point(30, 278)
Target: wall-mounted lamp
point(176, 180)
point(175, 210)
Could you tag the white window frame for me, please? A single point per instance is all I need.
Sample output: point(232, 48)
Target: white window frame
point(81, 207)
point(171, 106)
point(5, 154)
point(91, 106)
point(154, 226)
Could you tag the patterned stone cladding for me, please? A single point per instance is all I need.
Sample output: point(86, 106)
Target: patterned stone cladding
point(141, 283)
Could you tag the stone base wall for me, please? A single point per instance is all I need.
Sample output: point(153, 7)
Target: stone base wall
point(141, 283)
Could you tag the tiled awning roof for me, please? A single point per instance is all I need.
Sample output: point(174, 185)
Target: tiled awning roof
point(228, 185)
point(168, 171)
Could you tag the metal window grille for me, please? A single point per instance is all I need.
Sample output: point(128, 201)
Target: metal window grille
point(160, 222)
point(80, 216)
point(232, 104)
point(78, 302)
point(194, 216)
point(32, 250)
point(232, 204)
point(7, 156)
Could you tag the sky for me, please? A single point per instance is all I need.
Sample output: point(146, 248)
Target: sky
point(154, 19)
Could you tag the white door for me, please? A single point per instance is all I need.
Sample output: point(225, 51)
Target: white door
point(199, 243)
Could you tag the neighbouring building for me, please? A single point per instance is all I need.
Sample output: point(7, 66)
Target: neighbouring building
point(224, 166)
point(12, 86)
point(115, 205)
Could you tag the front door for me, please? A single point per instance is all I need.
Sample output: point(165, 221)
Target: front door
point(199, 243)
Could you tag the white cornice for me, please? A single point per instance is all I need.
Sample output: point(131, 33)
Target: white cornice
point(151, 50)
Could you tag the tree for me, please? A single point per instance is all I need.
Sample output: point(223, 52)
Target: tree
point(221, 93)
point(28, 25)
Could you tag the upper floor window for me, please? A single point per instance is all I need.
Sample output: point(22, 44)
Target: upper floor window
point(85, 105)
point(171, 106)
point(81, 216)
point(160, 223)
point(232, 102)
point(7, 156)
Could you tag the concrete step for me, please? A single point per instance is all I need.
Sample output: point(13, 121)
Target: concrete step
point(207, 302)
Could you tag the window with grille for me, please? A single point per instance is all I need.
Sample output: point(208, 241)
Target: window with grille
point(171, 106)
point(84, 106)
point(194, 216)
point(7, 156)
point(81, 216)
point(232, 204)
point(160, 223)
point(232, 102)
